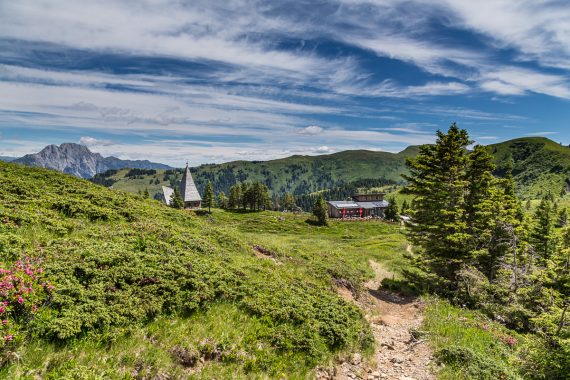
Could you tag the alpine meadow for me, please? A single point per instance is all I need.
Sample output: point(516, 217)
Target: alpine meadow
point(289, 190)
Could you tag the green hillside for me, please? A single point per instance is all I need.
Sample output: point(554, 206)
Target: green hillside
point(296, 174)
point(539, 165)
point(141, 290)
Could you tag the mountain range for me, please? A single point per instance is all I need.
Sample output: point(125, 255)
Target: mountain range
point(540, 165)
point(79, 161)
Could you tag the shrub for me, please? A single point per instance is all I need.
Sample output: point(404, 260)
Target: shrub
point(22, 290)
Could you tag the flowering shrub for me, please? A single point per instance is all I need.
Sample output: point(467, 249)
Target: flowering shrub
point(22, 292)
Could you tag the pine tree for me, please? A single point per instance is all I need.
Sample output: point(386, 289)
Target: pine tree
point(235, 196)
point(146, 194)
point(288, 202)
point(391, 212)
point(438, 181)
point(209, 196)
point(222, 201)
point(542, 235)
point(478, 206)
point(320, 211)
point(176, 200)
point(245, 191)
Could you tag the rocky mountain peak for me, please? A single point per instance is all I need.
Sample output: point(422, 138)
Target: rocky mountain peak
point(79, 161)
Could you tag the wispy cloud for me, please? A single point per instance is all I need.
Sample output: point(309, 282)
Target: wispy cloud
point(251, 73)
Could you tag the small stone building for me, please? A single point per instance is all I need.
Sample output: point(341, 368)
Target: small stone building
point(361, 206)
point(187, 190)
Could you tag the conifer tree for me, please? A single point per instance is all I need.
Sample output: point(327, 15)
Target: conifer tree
point(146, 194)
point(209, 196)
point(478, 206)
point(176, 200)
point(391, 212)
point(245, 191)
point(320, 211)
point(542, 235)
point(235, 199)
point(288, 202)
point(222, 200)
point(438, 180)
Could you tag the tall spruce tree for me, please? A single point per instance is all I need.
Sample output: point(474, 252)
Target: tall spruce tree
point(438, 180)
point(479, 184)
point(542, 236)
point(209, 196)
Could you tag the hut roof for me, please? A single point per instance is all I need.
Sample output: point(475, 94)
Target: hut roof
point(167, 192)
point(188, 190)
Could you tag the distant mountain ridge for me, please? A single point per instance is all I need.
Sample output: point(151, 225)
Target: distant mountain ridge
point(540, 166)
point(78, 160)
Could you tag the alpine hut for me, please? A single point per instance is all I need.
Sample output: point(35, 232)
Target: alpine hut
point(187, 190)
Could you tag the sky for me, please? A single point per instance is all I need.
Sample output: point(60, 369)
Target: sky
point(213, 81)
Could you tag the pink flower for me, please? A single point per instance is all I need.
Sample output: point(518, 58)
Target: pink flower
point(20, 300)
point(2, 310)
point(8, 338)
point(5, 322)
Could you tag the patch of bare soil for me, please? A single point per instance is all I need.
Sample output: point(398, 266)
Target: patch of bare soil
point(264, 253)
point(399, 354)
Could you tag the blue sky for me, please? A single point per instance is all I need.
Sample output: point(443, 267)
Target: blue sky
point(213, 81)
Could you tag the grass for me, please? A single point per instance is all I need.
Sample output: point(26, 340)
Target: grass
point(469, 345)
point(148, 351)
point(136, 281)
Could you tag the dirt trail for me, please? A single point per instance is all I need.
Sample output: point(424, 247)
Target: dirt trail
point(398, 355)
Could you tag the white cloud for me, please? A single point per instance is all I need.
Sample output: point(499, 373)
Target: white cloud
point(324, 149)
point(542, 133)
point(91, 141)
point(310, 130)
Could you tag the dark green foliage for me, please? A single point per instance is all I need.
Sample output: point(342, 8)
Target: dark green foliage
point(473, 365)
point(288, 202)
point(139, 172)
point(438, 180)
point(176, 200)
point(222, 200)
point(542, 234)
point(320, 211)
point(209, 198)
point(391, 212)
point(255, 196)
point(493, 258)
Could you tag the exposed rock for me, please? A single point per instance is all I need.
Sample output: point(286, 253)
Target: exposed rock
point(78, 160)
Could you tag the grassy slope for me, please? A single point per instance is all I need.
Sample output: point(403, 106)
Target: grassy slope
point(134, 280)
point(540, 164)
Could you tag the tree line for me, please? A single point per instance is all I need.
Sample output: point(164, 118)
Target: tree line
point(478, 247)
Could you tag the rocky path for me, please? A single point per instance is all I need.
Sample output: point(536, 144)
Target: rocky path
point(398, 354)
